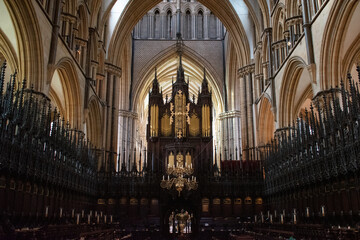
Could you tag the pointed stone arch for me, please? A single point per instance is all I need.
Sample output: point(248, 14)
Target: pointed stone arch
point(70, 91)
point(137, 8)
point(292, 90)
point(266, 121)
point(341, 13)
point(94, 122)
point(30, 58)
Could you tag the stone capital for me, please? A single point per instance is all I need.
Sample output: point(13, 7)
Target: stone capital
point(113, 69)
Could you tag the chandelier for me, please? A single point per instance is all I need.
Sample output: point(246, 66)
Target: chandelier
point(179, 177)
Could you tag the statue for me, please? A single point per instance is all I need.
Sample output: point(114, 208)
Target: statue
point(182, 219)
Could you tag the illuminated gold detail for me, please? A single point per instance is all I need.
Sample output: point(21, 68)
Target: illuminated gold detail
point(205, 121)
point(181, 114)
point(165, 125)
point(154, 120)
point(188, 159)
point(134, 201)
point(171, 160)
point(179, 160)
point(238, 201)
point(179, 173)
point(258, 201)
point(248, 200)
point(194, 127)
point(227, 201)
point(205, 205)
point(216, 201)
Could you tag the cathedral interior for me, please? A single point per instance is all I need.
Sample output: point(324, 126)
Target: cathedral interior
point(179, 119)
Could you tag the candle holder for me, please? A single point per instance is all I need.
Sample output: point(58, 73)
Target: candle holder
point(179, 177)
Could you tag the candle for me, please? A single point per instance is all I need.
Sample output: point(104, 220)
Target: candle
point(73, 213)
point(61, 210)
point(323, 211)
point(262, 217)
point(101, 213)
point(111, 218)
point(271, 219)
point(82, 214)
point(46, 211)
point(104, 218)
point(168, 177)
point(307, 212)
point(275, 214)
point(90, 213)
point(77, 218)
point(282, 218)
point(255, 218)
point(96, 214)
point(98, 219)
point(88, 218)
point(163, 178)
point(294, 217)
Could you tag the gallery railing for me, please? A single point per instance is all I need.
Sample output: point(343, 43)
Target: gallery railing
point(37, 145)
point(322, 145)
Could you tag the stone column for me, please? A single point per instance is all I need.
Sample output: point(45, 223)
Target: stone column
point(218, 29)
point(151, 26)
point(112, 78)
point(206, 25)
point(243, 112)
point(193, 26)
point(250, 107)
point(268, 32)
point(308, 33)
point(164, 27)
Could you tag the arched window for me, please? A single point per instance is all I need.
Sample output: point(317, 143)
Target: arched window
point(212, 26)
point(169, 24)
point(157, 24)
point(187, 25)
point(200, 25)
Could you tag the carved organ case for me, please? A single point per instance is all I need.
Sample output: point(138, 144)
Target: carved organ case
point(179, 128)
